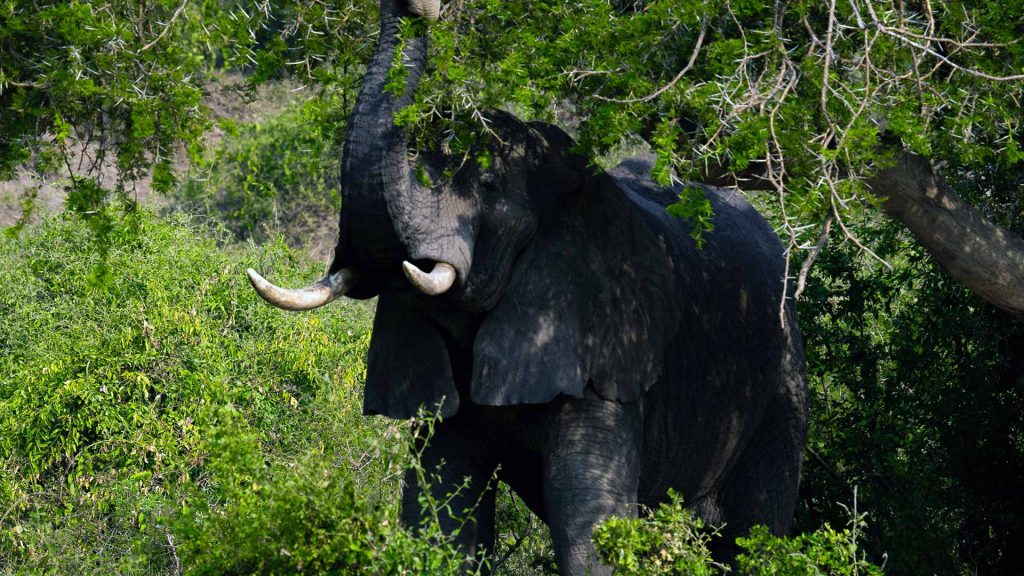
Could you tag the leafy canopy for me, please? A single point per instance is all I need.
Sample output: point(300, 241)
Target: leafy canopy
point(793, 96)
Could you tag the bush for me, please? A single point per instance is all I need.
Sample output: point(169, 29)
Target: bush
point(916, 392)
point(166, 419)
point(668, 540)
point(672, 541)
point(274, 175)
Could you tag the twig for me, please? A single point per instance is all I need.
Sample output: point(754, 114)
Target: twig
point(903, 36)
point(852, 238)
point(801, 282)
point(166, 27)
point(673, 82)
point(174, 554)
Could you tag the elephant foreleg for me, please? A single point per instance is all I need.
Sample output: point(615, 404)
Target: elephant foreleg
point(461, 492)
point(591, 472)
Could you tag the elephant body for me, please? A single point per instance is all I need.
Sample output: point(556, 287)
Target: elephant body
point(717, 411)
point(571, 334)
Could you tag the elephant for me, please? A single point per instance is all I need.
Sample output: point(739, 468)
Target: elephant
point(571, 335)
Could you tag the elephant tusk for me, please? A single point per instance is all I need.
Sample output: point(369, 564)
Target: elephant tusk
point(438, 281)
point(313, 296)
point(429, 9)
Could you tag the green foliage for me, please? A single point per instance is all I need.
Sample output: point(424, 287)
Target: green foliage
point(169, 419)
point(824, 551)
point(523, 543)
point(673, 541)
point(696, 208)
point(271, 175)
point(83, 70)
point(669, 540)
point(796, 93)
point(917, 397)
point(120, 88)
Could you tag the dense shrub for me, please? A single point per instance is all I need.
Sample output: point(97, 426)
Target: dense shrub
point(917, 398)
point(672, 541)
point(275, 174)
point(166, 419)
point(668, 540)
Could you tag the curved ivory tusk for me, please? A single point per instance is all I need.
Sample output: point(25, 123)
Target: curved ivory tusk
point(429, 9)
point(313, 296)
point(438, 281)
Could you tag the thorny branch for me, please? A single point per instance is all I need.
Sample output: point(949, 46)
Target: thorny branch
point(675, 80)
point(854, 84)
point(167, 27)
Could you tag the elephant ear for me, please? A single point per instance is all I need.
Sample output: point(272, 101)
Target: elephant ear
point(590, 303)
point(408, 364)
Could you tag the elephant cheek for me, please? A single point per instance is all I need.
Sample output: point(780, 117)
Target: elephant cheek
point(505, 231)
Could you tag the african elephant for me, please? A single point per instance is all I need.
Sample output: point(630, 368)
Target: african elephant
point(568, 330)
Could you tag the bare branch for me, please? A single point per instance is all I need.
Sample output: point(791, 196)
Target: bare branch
point(167, 26)
point(805, 268)
point(673, 82)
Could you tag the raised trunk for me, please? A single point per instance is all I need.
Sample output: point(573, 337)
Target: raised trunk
point(375, 154)
point(982, 256)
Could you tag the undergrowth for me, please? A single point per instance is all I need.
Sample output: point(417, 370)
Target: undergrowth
point(166, 421)
point(159, 418)
point(276, 174)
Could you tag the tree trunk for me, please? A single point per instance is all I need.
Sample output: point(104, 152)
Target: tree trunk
point(984, 257)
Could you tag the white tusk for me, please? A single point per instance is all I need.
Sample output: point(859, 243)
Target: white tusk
point(313, 296)
point(439, 280)
point(429, 9)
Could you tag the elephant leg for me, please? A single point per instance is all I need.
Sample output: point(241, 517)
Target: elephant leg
point(590, 472)
point(460, 478)
point(762, 488)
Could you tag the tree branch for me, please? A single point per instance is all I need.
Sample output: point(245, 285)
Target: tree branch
point(982, 256)
point(673, 82)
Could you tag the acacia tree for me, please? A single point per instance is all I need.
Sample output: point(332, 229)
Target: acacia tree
point(100, 96)
point(837, 108)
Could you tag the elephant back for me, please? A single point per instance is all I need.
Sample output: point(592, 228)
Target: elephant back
point(735, 356)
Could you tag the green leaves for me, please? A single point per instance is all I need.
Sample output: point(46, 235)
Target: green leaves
point(283, 168)
point(667, 541)
point(672, 541)
point(696, 208)
point(171, 388)
point(824, 551)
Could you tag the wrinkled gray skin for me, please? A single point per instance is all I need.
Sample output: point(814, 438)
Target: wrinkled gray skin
point(587, 350)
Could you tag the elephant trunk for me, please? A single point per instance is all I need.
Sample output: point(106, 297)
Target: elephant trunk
point(388, 216)
point(375, 168)
point(382, 222)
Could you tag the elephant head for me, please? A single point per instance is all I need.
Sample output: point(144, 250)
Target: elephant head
point(513, 283)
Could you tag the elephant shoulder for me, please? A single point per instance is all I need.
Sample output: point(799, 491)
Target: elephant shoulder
point(740, 231)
